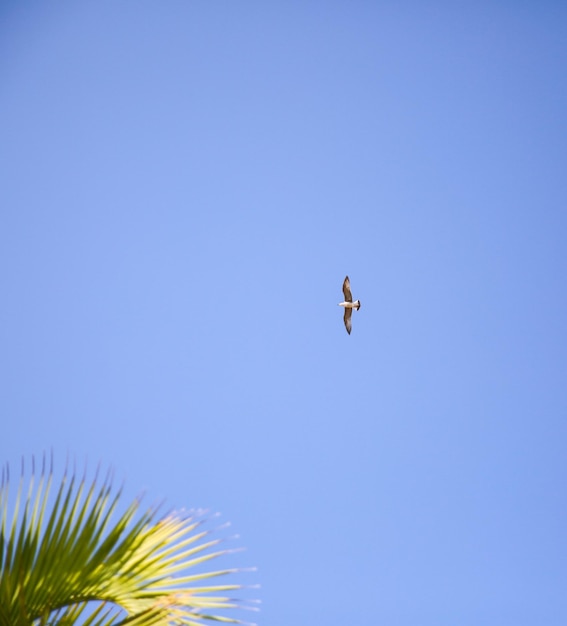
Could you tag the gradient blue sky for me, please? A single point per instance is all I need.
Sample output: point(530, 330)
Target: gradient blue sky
point(183, 187)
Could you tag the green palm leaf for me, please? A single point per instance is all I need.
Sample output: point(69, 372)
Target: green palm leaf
point(63, 560)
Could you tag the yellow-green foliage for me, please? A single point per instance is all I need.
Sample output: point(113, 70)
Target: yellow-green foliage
point(63, 561)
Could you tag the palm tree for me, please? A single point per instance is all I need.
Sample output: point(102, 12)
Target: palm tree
point(63, 561)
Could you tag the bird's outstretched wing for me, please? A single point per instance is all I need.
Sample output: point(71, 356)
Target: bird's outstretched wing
point(346, 290)
point(348, 321)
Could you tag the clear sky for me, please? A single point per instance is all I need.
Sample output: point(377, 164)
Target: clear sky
point(183, 188)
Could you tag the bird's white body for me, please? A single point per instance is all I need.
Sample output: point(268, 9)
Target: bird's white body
point(350, 305)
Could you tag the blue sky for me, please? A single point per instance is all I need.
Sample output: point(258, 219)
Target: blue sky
point(184, 186)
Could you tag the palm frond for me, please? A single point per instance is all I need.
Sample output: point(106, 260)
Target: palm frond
point(63, 560)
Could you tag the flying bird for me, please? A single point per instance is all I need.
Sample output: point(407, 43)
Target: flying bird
point(348, 305)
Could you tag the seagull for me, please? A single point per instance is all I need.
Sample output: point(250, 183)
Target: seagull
point(348, 304)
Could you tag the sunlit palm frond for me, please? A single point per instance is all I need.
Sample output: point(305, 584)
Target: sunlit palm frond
point(63, 560)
